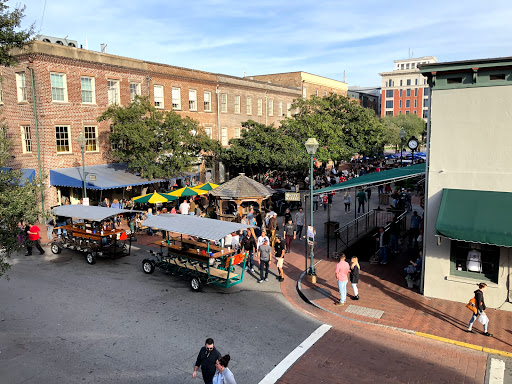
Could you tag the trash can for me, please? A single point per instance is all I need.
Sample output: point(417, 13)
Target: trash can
point(384, 199)
point(329, 228)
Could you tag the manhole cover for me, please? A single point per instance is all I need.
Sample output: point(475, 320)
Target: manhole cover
point(362, 311)
point(61, 259)
point(316, 293)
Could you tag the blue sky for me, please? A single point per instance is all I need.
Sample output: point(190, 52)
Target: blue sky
point(321, 37)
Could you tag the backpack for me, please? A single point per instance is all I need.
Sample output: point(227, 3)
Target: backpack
point(472, 306)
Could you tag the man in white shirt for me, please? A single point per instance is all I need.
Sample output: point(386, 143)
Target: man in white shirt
point(184, 207)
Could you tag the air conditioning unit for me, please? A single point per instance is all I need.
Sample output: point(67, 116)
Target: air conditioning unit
point(58, 40)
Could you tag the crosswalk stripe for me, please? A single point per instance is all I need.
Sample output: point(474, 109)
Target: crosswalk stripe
point(497, 371)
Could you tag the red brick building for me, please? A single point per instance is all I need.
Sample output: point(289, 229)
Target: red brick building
point(56, 93)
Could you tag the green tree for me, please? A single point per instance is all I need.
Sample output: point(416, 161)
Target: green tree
point(157, 144)
point(10, 34)
point(412, 125)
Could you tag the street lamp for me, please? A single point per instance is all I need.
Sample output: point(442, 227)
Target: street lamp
point(402, 137)
point(311, 147)
point(81, 142)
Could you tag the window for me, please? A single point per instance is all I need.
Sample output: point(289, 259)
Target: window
point(401, 67)
point(325, 93)
point(289, 109)
point(237, 104)
point(401, 81)
point(62, 139)
point(389, 113)
point(207, 101)
point(208, 131)
point(454, 80)
point(26, 139)
point(389, 103)
point(158, 95)
point(407, 103)
point(425, 113)
point(134, 90)
point(271, 107)
point(59, 89)
point(176, 98)
point(497, 77)
point(400, 104)
point(401, 93)
point(224, 102)
point(477, 261)
point(415, 103)
point(88, 96)
point(407, 112)
point(280, 108)
point(91, 143)
point(415, 113)
point(249, 106)
point(415, 92)
point(425, 103)
point(407, 92)
point(260, 107)
point(224, 136)
point(316, 92)
point(416, 82)
point(237, 132)
point(389, 93)
point(304, 93)
point(192, 100)
point(407, 66)
point(114, 96)
point(408, 81)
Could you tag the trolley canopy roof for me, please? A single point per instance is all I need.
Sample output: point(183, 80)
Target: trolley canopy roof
point(209, 229)
point(87, 212)
point(377, 178)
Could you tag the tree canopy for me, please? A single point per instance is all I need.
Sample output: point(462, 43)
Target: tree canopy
point(155, 143)
point(412, 124)
point(11, 36)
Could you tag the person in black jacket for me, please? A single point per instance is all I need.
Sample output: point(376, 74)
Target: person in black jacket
point(480, 306)
point(249, 245)
point(206, 359)
point(354, 276)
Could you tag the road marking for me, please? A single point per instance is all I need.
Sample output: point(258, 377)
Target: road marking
point(363, 311)
point(497, 371)
point(294, 355)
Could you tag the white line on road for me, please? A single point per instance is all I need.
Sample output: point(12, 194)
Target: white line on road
point(294, 355)
point(497, 371)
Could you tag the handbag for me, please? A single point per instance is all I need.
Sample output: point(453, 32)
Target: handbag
point(483, 319)
point(472, 306)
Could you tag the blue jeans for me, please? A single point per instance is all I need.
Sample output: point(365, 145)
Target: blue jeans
point(342, 286)
point(360, 204)
point(250, 261)
point(473, 318)
point(383, 253)
point(393, 242)
point(315, 205)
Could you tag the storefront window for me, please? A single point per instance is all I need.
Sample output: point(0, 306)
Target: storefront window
point(475, 261)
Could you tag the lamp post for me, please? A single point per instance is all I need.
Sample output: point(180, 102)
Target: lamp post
point(402, 137)
point(81, 141)
point(311, 147)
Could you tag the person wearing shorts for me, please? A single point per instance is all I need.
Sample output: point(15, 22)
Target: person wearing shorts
point(279, 249)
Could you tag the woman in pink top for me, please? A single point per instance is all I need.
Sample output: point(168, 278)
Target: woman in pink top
point(342, 271)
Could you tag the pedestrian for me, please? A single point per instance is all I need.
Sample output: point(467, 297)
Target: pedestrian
point(414, 230)
point(223, 375)
point(369, 193)
point(261, 239)
point(394, 235)
point(287, 216)
point(480, 308)
point(184, 207)
point(342, 272)
point(115, 204)
point(299, 222)
point(354, 276)
point(249, 245)
point(50, 224)
point(148, 215)
point(383, 249)
point(272, 227)
point(264, 255)
point(289, 234)
point(192, 207)
point(279, 254)
point(347, 200)
point(207, 359)
point(33, 239)
point(325, 199)
point(361, 199)
point(315, 202)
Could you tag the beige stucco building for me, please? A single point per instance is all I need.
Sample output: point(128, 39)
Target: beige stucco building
point(468, 235)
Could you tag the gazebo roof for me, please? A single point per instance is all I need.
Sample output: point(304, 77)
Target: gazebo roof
point(241, 187)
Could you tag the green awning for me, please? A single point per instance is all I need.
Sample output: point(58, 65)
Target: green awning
point(377, 178)
point(476, 216)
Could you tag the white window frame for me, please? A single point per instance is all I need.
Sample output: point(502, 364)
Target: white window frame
point(316, 92)
point(92, 90)
point(91, 136)
point(260, 107)
point(113, 91)
point(192, 100)
point(271, 107)
point(224, 136)
point(237, 104)
point(176, 98)
point(207, 101)
point(135, 86)
point(237, 132)
point(21, 87)
point(66, 137)
point(289, 109)
point(26, 138)
point(280, 109)
point(224, 103)
point(158, 96)
point(208, 131)
point(64, 88)
point(248, 105)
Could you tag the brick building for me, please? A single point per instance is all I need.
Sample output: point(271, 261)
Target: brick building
point(368, 97)
point(57, 92)
point(405, 90)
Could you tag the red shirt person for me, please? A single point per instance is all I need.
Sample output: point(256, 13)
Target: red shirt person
point(33, 239)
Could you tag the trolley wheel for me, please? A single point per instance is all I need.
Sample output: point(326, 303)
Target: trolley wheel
point(55, 249)
point(148, 267)
point(196, 284)
point(90, 258)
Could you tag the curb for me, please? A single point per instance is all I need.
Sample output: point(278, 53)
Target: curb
point(420, 334)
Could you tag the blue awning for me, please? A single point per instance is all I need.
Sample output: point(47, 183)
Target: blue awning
point(27, 174)
point(108, 176)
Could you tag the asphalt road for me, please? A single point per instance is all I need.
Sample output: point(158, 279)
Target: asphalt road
point(64, 321)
